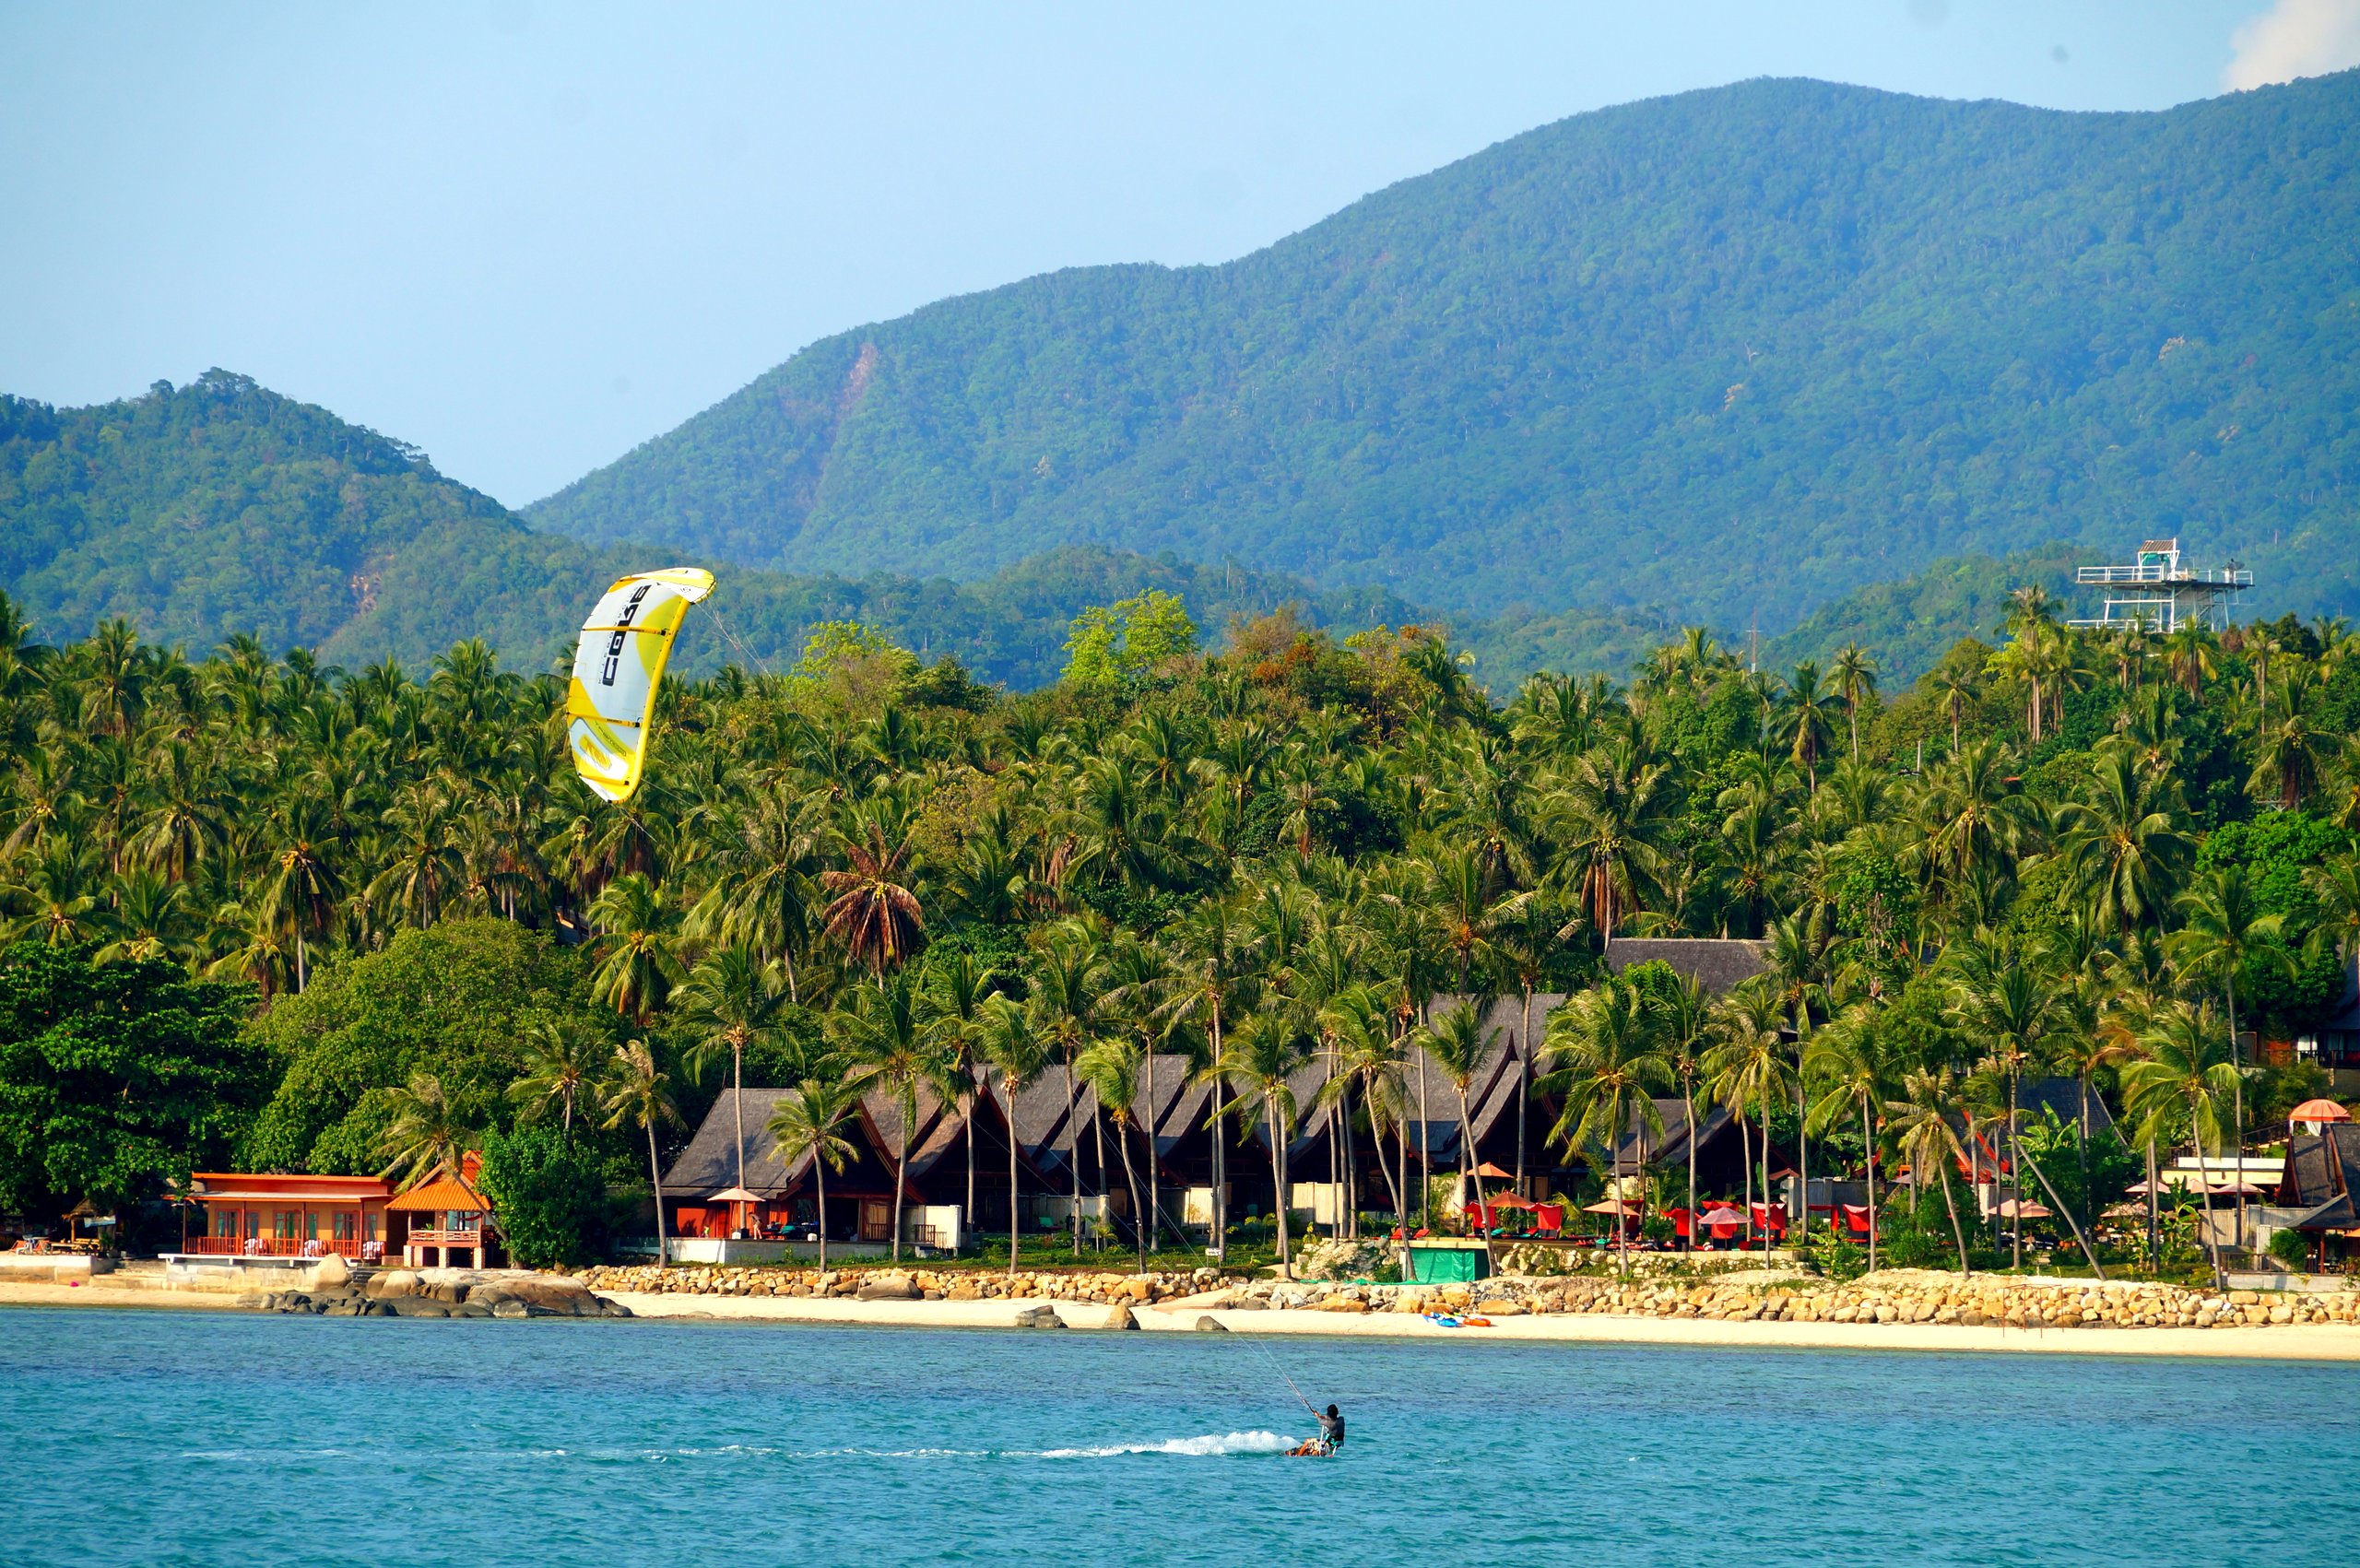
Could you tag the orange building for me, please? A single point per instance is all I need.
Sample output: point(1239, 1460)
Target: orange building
point(444, 1216)
point(257, 1215)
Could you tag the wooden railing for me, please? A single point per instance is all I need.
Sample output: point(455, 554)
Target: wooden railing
point(275, 1246)
point(445, 1238)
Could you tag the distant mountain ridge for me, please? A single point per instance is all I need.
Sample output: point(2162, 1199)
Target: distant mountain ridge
point(1738, 351)
point(222, 507)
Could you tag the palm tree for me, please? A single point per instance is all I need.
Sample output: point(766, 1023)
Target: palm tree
point(1459, 1043)
point(1367, 1059)
point(1605, 1052)
point(2293, 755)
point(891, 1050)
point(305, 886)
point(2223, 931)
point(1017, 1053)
point(1956, 686)
point(58, 897)
point(561, 1064)
point(808, 1122)
point(637, 964)
point(877, 918)
point(1111, 1067)
point(1920, 1118)
point(1749, 1068)
point(636, 1092)
point(426, 1134)
point(2013, 1010)
point(1210, 983)
point(1068, 982)
point(1852, 1059)
point(1263, 1051)
point(2193, 653)
point(1611, 827)
point(1804, 722)
point(732, 996)
point(1856, 676)
point(951, 1008)
point(2177, 1087)
point(1684, 1028)
point(2123, 842)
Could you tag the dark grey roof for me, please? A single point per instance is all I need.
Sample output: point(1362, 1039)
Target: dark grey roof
point(709, 1163)
point(2322, 1167)
point(1669, 1146)
point(2062, 1095)
point(1719, 962)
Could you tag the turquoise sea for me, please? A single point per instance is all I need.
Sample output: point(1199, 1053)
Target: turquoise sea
point(206, 1438)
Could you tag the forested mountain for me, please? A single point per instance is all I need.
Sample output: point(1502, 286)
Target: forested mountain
point(1734, 352)
point(200, 512)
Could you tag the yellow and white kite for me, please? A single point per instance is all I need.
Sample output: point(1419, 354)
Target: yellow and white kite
point(617, 667)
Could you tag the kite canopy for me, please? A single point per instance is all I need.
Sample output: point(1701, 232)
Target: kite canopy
point(617, 667)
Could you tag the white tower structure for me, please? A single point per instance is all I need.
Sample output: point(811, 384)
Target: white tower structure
point(2161, 593)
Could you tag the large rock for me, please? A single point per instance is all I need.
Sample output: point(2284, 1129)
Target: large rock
point(391, 1282)
point(544, 1295)
point(330, 1272)
point(1210, 1325)
point(890, 1288)
point(1120, 1317)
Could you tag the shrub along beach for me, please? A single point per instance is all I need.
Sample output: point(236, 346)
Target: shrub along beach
point(2036, 966)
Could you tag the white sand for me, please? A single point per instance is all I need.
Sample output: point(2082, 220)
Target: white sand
point(2285, 1342)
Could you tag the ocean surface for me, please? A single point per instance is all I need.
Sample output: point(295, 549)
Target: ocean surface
point(205, 1438)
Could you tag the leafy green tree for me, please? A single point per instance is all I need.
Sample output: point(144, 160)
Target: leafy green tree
point(115, 1078)
point(550, 1194)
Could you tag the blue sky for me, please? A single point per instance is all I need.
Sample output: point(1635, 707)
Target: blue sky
point(528, 237)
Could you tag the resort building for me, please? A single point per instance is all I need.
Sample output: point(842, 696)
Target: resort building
point(446, 1221)
point(238, 1214)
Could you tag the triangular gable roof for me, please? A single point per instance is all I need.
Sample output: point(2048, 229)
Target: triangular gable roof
point(445, 1194)
point(709, 1164)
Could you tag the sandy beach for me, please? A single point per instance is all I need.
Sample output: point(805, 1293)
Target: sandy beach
point(2314, 1342)
point(2305, 1342)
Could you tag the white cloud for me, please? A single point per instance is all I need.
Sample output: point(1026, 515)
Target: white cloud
point(2298, 38)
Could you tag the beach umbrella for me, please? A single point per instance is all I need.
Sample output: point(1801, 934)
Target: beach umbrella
point(1492, 1173)
point(2014, 1209)
point(1723, 1215)
point(1614, 1206)
point(1509, 1200)
point(736, 1195)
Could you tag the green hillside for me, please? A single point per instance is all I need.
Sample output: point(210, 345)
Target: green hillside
point(222, 507)
point(1737, 352)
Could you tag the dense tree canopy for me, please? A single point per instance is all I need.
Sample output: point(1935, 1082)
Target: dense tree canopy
point(1291, 843)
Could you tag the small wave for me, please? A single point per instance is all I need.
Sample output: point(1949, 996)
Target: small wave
point(1208, 1446)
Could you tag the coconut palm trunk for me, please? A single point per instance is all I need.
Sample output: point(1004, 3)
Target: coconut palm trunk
point(1013, 1207)
point(2212, 1231)
point(1868, 1142)
point(1958, 1232)
point(1154, 1193)
point(1073, 1152)
point(2063, 1207)
point(1218, 1208)
point(1131, 1179)
point(1688, 1103)
point(1469, 1171)
point(655, 1178)
point(901, 1165)
point(819, 1185)
point(1277, 1128)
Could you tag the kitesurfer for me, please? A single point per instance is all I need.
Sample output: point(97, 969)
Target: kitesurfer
point(1331, 1428)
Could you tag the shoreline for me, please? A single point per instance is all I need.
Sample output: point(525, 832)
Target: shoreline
point(2298, 1342)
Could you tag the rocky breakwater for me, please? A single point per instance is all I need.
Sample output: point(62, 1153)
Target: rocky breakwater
point(903, 1284)
point(1894, 1297)
point(442, 1293)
